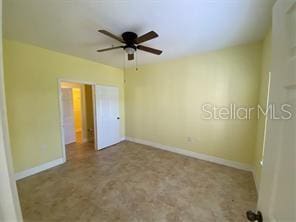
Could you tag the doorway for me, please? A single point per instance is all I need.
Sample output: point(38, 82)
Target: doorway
point(77, 118)
point(90, 117)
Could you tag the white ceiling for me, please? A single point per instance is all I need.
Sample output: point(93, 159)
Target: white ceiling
point(184, 27)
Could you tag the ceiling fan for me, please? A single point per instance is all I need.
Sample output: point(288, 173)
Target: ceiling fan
point(132, 41)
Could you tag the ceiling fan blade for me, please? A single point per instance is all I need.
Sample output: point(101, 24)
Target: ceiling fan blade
point(130, 56)
point(148, 36)
point(111, 35)
point(111, 48)
point(148, 49)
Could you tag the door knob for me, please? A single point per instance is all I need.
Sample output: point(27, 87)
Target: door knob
point(254, 216)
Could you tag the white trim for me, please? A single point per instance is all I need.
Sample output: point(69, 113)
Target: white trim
point(75, 81)
point(9, 201)
point(38, 169)
point(257, 183)
point(63, 144)
point(84, 82)
point(189, 153)
point(265, 121)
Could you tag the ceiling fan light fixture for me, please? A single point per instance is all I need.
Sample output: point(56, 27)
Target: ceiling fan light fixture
point(129, 50)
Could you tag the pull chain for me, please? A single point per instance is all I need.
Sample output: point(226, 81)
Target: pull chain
point(124, 66)
point(136, 53)
point(124, 61)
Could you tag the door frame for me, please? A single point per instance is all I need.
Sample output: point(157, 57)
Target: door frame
point(93, 85)
point(61, 119)
point(10, 201)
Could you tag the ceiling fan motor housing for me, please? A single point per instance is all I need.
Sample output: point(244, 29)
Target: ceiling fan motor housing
point(129, 37)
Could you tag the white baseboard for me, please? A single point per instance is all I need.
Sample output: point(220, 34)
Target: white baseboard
point(200, 156)
point(48, 165)
point(37, 169)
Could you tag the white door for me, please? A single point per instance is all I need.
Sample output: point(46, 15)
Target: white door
point(107, 116)
point(277, 195)
point(68, 115)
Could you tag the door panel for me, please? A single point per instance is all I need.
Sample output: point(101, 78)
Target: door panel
point(277, 196)
point(68, 116)
point(107, 113)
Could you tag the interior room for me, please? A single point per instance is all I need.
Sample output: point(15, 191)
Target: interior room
point(148, 111)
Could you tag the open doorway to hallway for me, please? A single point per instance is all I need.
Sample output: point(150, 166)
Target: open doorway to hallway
point(78, 118)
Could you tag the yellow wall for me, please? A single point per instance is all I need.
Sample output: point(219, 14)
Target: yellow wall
point(266, 68)
point(31, 79)
point(77, 109)
point(163, 102)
